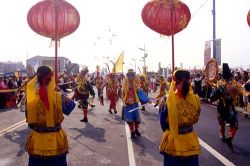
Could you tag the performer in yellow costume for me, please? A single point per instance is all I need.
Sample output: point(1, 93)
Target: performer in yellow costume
point(99, 83)
point(163, 90)
point(47, 144)
point(84, 89)
point(144, 87)
point(130, 100)
point(179, 144)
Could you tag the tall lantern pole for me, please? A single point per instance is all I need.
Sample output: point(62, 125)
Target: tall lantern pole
point(172, 31)
point(44, 19)
point(56, 38)
point(166, 17)
point(214, 31)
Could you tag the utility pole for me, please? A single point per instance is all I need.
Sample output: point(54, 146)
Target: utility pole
point(134, 59)
point(214, 31)
point(144, 55)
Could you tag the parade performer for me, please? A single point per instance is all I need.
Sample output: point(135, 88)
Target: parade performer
point(179, 144)
point(47, 144)
point(120, 78)
point(130, 100)
point(82, 92)
point(246, 93)
point(99, 83)
point(163, 90)
point(112, 91)
point(227, 92)
point(144, 87)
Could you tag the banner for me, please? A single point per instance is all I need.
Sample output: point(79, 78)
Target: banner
point(119, 63)
point(207, 52)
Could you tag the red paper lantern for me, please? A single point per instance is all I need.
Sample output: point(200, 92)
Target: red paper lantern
point(41, 18)
point(248, 18)
point(156, 14)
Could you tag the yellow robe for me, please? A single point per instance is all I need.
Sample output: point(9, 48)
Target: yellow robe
point(46, 143)
point(181, 113)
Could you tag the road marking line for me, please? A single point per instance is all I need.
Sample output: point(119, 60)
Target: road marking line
point(216, 154)
point(12, 127)
point(131, 156)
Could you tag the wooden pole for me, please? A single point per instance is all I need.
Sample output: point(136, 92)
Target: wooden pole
point(172, 32)
point(56, 38)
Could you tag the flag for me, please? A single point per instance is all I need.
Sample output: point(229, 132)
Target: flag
point(118, 67)
point(207, 52)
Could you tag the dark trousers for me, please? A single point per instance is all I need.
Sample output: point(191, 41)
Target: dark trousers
point(48, 161)
point(180, 161)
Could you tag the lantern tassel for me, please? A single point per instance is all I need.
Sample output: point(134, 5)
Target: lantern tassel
point(53, 44)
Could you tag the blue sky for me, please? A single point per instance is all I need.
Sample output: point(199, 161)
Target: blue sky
point(101, 19)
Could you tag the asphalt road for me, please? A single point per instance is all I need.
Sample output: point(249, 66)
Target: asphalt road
point(103, 141)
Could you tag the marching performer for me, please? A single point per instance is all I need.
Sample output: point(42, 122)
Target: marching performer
point(179, 111)
point(112, 91)
point(84, 89)
point(99, 83)
point(144, 87)
point(47, 144)
point(120, 78)
point(130, 100)
point(227, 92)
point(163, 90)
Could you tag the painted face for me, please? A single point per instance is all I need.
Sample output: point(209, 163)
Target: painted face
point(142, 78)
point(131, 76)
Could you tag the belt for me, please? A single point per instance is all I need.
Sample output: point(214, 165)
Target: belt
point(43, 129)
point(185, 129)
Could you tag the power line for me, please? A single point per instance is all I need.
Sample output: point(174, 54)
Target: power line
point(199, 8)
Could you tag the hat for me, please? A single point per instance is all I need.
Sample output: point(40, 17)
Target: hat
point(112, 75)
point(130, 73)
point(85, 70)
point(247, 86)
point(226, 73)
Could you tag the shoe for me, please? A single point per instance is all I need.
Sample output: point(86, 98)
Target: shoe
point(84, 120)
point(79, 106)
point(137, 132)
point(155, 105)
point(229, 143)
point(223, 139)
point(133, 134)
point(143, 109)
point(115, 112)
point(92, 105)
point(110, 112)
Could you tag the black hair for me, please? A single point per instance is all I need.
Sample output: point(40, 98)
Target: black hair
point(184, 76)
point(42, 71)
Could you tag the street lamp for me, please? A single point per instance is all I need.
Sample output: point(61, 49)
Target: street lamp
point(135, 63)
point(144, 54)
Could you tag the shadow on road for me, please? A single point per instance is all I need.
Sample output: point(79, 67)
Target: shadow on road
point(2, 110)
point(19, 137)
point(91, 132)
point(147, 147)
